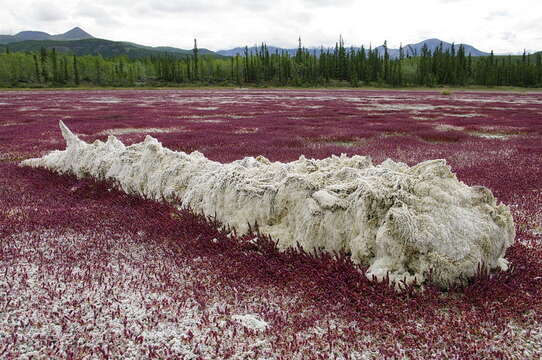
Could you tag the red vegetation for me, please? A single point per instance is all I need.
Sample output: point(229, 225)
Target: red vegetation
point(89, 270)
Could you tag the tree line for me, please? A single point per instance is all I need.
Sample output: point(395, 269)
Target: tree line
point(338, 66)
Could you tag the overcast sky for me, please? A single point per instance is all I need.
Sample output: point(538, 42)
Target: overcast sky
point(499, 25)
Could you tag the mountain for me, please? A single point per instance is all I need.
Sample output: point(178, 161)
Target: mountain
point(432, 45)
point(77, 41)
point(172, 50)
point(105, 48)
point(409, 50)
point(74, 34)
point(30, 35)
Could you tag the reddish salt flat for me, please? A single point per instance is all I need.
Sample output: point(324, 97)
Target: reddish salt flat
point(89, 271)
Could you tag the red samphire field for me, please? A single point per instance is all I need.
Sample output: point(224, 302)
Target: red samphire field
point(90, 272)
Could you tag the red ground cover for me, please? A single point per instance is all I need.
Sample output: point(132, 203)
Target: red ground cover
point(89, 270)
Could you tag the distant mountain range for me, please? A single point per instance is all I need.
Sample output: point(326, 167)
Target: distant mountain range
point(105, 48)
point(80, 42)
point(74, 34)
point(432, 44)
point(408, 50)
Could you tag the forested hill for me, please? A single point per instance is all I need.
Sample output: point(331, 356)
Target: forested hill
point(105, 48)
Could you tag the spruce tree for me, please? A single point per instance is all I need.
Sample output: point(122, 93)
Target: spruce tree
point(43, 61)
point(196, 60)
point(237, 71)
point(98, 68)
point(75, 71)
point(36, 68)
point(386, 62)
point(54, 61)
point(66, 76)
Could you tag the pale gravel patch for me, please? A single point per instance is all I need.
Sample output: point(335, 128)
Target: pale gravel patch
point(257, 98)
point(325, 143)
point(246, 131)
point(193, 99)
point(396, 107)
point(184, 117)
point(13, 124)
point(105, 100)
point(354, 99)
point(18, 212)
point(124, 131)
point(84, 108)
point(482, 100)
point(365, 349)
point(289, 106)
point(8, 156)
point(236, 101)
point(28, 108)
point(500, 108)
point(469, 115)
point(251, 321)
point(316, 98)
point(447, 127)
point(207, 108)
point(211, 121)
point(487, 135)
point(497, 99)
point(528, 338)
point(457, 107)
point(57, 109)
point(235, 117)
point(416, 108)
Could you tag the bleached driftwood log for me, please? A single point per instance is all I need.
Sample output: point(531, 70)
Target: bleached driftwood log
point(399, 220)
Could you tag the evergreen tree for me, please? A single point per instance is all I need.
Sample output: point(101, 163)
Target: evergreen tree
point(43, 61)
point(36, 68)
point(54, 61)
point(386, 62)
point(237, 71)
point(66, 76)
point(75, 71)
point(98, 69)
point(196, 60)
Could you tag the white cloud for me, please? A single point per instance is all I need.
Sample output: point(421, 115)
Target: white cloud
point(218, 24)
point(508, 36)
point(99, 14)
point(45, 12)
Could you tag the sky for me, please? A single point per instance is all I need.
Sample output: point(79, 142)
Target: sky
point(499, 25)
